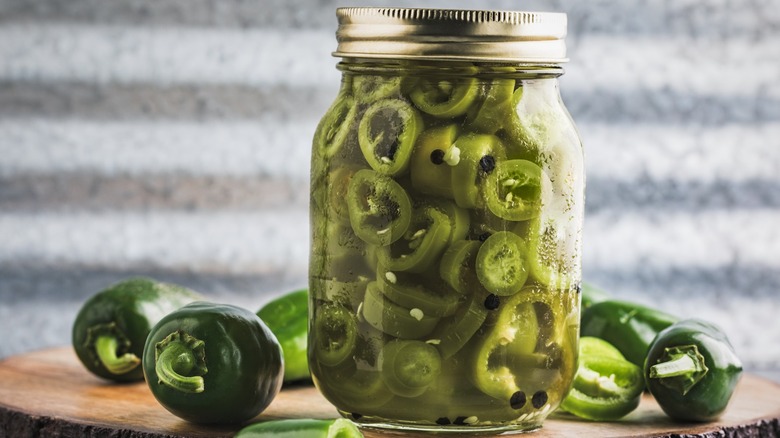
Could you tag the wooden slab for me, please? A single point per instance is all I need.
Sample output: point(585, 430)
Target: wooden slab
point(49, 393)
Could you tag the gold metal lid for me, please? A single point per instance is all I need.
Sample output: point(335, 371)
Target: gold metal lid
point(451, 34)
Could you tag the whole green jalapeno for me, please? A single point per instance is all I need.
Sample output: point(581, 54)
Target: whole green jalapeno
point(287, 317)
point(691, 369)
point(213, 363)
point(111, 327)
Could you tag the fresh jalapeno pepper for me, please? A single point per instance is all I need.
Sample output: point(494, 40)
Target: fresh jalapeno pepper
point(395, 320)
point(421, 245)
point(387, 134)
point(301, 428)
point(513, 191)
point(413, 291)
point(692, 370)
point(409, 367)
point(444, 98)
point(501, 263)
point(336, 334)
point(288, 318)
point(474, 156)
point(592, 294)
point(379, 208)
point(212, 363)
point(111, 327)
point(607, 387)
point(494, 106)
point(429, 169)
point(335, 126)
point(630, 327)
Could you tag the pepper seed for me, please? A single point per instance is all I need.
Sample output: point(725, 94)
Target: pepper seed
point(492, 302)
point(539, 399)
point(517, 401)
point(437, 156)
point(443, 421)
point(487, 163)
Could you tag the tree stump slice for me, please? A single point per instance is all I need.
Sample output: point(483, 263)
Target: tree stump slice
point(49, 393)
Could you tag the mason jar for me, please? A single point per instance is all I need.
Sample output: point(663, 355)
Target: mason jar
point(447, 190)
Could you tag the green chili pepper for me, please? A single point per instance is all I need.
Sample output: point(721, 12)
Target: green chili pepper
point(513, 191)
point(444, 98)
point(379, 208)
point(395, 320)
point(474, 156)
point(213, 363)
point(606, 387)
point(301, 428)
point(387, 133)
point(458, 265)
point(409, 367)
point(592, 294)
point(334, 128)
point(429, 172)
point(111, 327)
point(421, 245)
point(415, 291)
point(692, 370)
point(455, 331)
point(494, 108)
point(501, 263)
point(336, 330)
point(630, 327)
point(371, 88)
point(288, 318)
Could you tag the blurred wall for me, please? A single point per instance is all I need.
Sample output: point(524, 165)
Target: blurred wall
point(171, 138)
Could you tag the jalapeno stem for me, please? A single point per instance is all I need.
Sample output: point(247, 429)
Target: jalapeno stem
point(681, 368)
point(180, 364)
point(106, 347)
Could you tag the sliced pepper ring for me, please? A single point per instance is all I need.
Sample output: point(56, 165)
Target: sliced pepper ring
point(513, 191)
point(335, 334)
point(501, 263)
point(379, 208)
point(412, 291)
point(334, 128)
point(455, 331)
point(409, 367)
point(477, 155)
point(387, 134)
point(429, 173)
point(395, 320)
point(421, 245)
point(444, 98)
point(457, 267)
point(494, 110)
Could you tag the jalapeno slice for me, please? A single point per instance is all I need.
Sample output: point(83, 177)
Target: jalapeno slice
point(395, 320)
point(335, 334)
point(513, 191)
point(501, 263)
point(347, 294)
point(379, 208)
point(514, 336)
point(355, 389)
point(413, 291)
point(421, 245)
point(546, 257)
point(444, 98)
point(337, 187)
point(371, 88)
point(455, 331)
point(458, 264)
point(460, 220)
point(387, 133)
point(430, 173)
point(409, 367)
point(494, 110)
point(334, 128)
point(477, 157)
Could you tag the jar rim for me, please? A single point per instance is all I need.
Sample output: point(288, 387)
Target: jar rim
point(451, 34)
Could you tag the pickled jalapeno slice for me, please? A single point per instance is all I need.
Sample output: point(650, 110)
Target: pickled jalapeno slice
point(370, 88)
point(421, 245)
point(455, 331)
point(356, 389)
point(460, 220)
point(495, 107)
point(546, 258)
point(458, 264)
point(379, 208)
point(336, 334)
point(430, 173)
point(477, 157)
point(444, 98)
point(335, 126)
point(514, 335)
point(513, 191)
point(395, 320)
point(337, 186)
point(387, 134)
point(501, 263)
point(413, 291)
point(409, 367)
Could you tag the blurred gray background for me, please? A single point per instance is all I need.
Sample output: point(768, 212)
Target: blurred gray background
point(171, 138)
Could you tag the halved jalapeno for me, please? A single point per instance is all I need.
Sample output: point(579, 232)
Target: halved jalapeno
point(421, 245)
point(336, 334)
point(477, 158)
point(409, 367)
point(501, 263)
point(387, 133)
point(395, 320)
point(413, 291)
point(334, 128)
point(444, 98)
point(513, 191)
point(494, 109)
point(429, 170)
point(379, 208)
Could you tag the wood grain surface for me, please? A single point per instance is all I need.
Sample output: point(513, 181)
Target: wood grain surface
point(49, 393)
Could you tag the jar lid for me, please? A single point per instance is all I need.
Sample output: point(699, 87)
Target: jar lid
point(451, 34)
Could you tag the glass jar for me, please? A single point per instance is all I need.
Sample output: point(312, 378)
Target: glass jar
point(447, 192)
